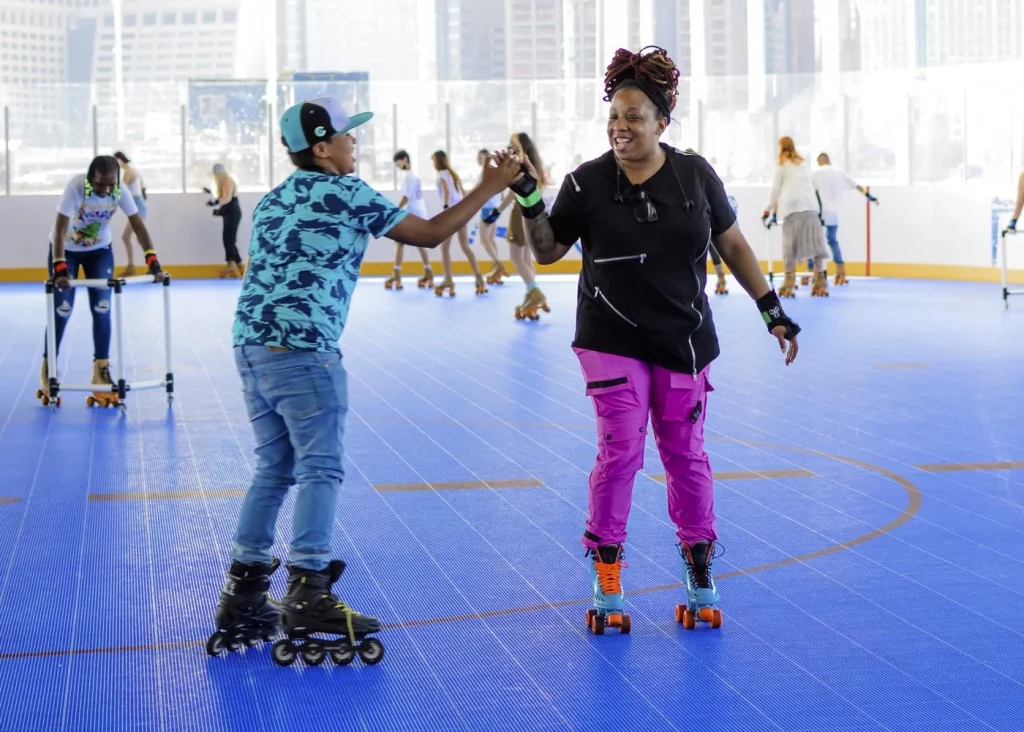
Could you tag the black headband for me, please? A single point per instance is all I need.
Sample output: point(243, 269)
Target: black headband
point(656, 95)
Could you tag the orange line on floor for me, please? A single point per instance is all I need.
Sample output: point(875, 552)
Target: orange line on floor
point(964, 467)
point(913, 505)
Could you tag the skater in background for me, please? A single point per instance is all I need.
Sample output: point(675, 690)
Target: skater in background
point(831, 183)
point(225, 203)
point(81, 239)
point(1019, 206)
point(292, 309)
point(795, 201)
point(518, 249)
point(451, 192)
point(645, 337)
point(137, 188)
point(412, 199)
point(489, 215)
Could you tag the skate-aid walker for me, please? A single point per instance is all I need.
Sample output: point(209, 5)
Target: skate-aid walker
point(115, 394)
point(1007, 292)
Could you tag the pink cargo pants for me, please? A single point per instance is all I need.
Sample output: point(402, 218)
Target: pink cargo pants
point(625, 392)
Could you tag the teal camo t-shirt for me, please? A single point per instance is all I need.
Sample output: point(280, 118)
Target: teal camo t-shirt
point(308, 240)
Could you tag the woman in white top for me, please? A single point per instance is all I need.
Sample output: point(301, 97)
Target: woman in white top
point(450, 191)
point(131, 180)
point(488, 223)
point(795, 200)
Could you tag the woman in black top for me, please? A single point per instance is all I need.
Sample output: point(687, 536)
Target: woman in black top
point(646, 215)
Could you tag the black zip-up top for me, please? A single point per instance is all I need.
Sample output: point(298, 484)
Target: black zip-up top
point(641, 291)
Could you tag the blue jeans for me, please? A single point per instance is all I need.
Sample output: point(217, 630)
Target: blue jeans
point(831, 236)
point(297, 402)
point(97, 264)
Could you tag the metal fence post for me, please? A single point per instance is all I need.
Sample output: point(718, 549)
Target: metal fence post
point(394, 144)
point(7, 152)
point(846, 134)
point(448, 127)
point(270, 144)
point(184, 162)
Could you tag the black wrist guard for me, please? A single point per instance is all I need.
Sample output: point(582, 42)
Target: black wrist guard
point(771, 310)
point(530, 199)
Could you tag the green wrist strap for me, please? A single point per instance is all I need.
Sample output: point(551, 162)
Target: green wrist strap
point(532, 200)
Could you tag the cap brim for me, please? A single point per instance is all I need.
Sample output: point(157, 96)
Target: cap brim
point(355, 120)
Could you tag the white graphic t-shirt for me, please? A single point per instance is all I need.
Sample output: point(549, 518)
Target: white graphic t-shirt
point(413, 192)
point(90, 215)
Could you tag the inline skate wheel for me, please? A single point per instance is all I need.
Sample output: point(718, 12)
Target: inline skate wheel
point(313, 654)
point(283, 653)
point(371, 651)
point(215, 644)
point(343, 657)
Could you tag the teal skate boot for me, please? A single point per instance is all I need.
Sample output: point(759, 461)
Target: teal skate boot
point(609, 601)
point(700, 587)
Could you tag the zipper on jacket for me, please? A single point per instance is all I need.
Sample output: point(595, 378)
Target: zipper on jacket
point(627, 258)
point(574, 183)
point(598, 293)
point(700, 316)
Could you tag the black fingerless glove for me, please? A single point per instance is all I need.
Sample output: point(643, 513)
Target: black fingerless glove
point(530, 199)
point(60, 269)
point(771, 310)
point(152, 262)
point(492, 216)
point(217, 212)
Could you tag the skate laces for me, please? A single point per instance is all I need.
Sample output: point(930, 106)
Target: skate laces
point(609, 576)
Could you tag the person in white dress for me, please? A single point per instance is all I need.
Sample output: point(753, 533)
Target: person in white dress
point(450, 191)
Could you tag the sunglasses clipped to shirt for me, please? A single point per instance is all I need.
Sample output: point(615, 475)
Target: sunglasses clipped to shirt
point(643, 208)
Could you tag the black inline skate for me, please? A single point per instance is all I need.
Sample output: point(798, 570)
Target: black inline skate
point(309, 608)
point(246, 613)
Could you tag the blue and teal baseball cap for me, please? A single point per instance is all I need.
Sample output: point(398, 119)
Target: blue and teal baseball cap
point(318, 120)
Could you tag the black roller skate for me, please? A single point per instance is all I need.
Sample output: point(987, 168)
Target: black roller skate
point(245, 614)
point(701, 594)
point(310, 607)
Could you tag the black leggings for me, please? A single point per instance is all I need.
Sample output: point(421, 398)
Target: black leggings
point(715, 256)
point(231, 212)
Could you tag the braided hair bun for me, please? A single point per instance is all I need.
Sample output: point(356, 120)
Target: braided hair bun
point(650, 70)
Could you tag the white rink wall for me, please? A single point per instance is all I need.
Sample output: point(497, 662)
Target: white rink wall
point(949, 226)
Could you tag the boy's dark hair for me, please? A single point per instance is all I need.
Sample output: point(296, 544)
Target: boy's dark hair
point(304, 159)
point(400, 155)
point(103, 165)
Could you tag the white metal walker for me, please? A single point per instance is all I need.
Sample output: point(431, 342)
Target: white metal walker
point(115, 395)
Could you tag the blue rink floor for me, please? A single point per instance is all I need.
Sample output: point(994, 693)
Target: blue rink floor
point(869, 501)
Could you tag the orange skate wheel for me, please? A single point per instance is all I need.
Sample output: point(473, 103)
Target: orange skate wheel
point(597, 624)
point(614, 620)
point(706, 614)
point(625, 625)
point(716, 620)
point(90, 401)
point(590, 616)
